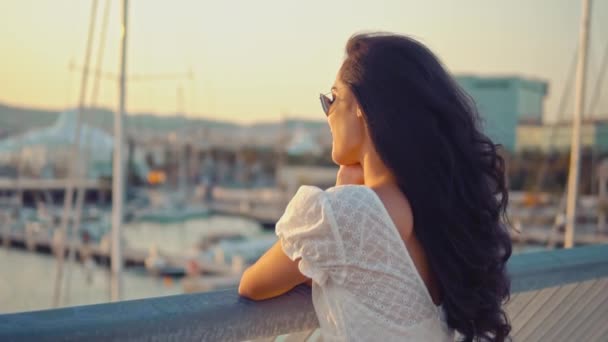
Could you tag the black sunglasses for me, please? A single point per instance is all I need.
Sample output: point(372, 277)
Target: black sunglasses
point(326, 103)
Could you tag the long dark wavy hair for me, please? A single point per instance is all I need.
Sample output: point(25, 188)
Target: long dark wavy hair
point(426, 130)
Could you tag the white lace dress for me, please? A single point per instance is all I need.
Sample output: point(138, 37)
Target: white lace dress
point(365, 284)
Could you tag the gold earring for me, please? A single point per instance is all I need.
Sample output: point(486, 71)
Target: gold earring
point(359, 113)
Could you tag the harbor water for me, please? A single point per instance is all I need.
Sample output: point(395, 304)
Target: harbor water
point(27, 278)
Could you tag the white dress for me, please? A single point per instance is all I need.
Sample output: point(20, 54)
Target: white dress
point(365, 284)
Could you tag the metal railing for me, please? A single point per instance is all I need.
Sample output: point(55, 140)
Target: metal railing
point(544, 285)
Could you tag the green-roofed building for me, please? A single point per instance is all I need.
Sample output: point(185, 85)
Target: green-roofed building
point(503, 102)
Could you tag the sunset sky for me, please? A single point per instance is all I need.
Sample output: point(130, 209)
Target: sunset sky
point(261, 60)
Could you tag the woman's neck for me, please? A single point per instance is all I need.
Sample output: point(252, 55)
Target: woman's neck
point(375, 173)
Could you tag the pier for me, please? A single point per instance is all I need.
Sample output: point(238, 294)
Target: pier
point(28, 189)
point(173, 265)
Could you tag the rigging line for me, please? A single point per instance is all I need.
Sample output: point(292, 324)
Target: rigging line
point(555, 125)
point(598, 82)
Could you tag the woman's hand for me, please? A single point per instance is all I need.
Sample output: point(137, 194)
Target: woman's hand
point(350, 174)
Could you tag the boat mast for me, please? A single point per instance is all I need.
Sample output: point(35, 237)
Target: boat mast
point(74, 162)
point(118, 167)
point(81, 188)
point(579, 105)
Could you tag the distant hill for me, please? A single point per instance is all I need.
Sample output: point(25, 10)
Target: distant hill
point(15, 120)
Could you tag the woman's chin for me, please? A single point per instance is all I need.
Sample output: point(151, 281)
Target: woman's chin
point(341, 159)
point(336, 157)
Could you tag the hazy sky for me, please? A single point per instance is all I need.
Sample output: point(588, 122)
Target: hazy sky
point(259, 60)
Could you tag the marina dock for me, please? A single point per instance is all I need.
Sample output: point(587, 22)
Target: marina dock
point(29, 188)
point(172, 265)
point(265, 215)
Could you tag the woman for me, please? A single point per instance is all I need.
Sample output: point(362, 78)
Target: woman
point(410, 245)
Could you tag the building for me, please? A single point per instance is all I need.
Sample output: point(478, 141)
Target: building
point(503, 102)
point(47, 152)
point(558, 137)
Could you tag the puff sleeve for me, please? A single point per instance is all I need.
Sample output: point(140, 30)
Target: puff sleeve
point(307, 232)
